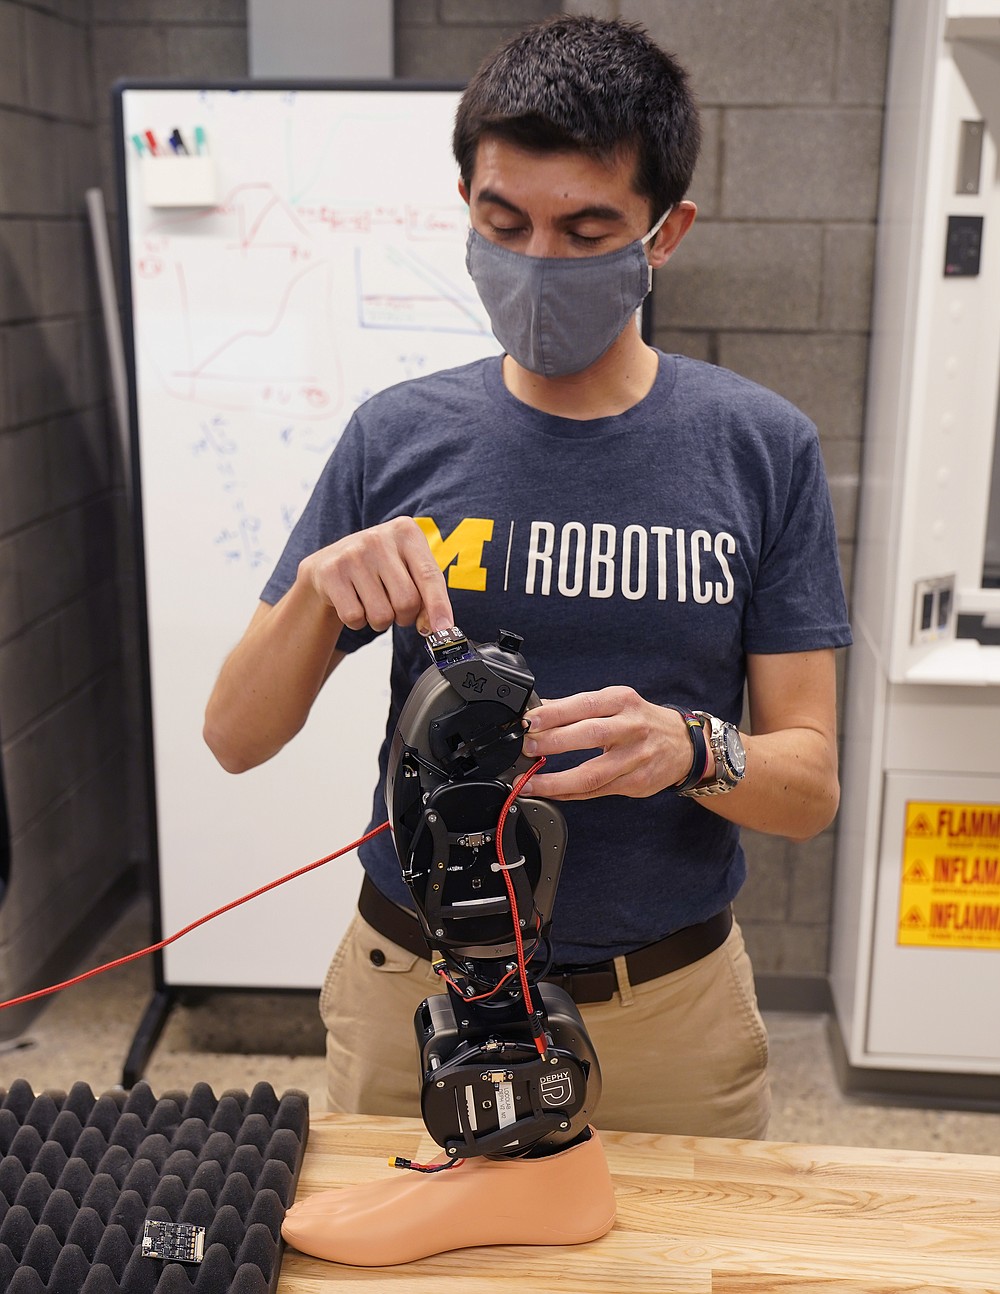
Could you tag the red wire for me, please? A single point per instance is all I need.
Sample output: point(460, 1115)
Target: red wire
point(512, 898)
point(155, 948)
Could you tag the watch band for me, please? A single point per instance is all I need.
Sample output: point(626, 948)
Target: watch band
point(699, 748)
point(725, 778)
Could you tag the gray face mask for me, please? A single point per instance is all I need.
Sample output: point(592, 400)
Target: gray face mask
point(556, 315)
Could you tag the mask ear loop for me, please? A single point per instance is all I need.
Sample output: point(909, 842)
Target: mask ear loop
point(652, 234)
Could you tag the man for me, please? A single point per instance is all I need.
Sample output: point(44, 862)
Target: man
point(660, 533)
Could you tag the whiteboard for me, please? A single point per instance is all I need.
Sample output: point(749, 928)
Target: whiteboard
point(312, 254)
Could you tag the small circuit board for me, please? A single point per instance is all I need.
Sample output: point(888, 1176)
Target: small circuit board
point(175, 1242)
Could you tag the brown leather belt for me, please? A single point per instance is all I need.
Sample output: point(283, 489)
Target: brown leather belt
point(594, 983)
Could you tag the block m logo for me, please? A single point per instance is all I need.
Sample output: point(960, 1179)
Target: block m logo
point(463, 547)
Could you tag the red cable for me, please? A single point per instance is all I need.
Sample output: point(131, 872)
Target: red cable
point(512, 898)
point(155, 948)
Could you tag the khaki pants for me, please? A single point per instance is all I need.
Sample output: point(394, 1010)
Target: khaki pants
point(686, 1053)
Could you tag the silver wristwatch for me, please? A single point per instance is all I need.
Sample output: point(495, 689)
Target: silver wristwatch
point(730, 757)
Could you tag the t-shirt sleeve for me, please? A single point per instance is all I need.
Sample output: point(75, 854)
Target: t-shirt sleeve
point(798, 599)
point(334, 510)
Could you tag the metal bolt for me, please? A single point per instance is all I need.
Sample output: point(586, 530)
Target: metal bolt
point(432, 817)
point(439, 1083)
point(453, 1151)
point(513, 809)
point(439, 933)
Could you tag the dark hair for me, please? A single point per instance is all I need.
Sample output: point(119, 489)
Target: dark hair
point(590, 84)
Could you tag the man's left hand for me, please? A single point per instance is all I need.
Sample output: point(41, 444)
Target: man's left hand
point(644, 747)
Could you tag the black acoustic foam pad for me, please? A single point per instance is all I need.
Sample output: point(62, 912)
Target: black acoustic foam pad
point(80, 1175)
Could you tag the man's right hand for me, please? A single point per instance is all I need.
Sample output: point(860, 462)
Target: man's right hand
point(382, 576)
point(268, 683)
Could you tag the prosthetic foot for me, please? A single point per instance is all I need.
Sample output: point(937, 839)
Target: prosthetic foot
point(561, 1199)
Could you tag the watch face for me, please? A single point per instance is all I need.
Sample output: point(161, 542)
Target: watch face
point(735, 754)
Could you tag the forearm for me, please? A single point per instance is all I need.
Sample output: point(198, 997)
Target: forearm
point(268, 683)
point(790, 788)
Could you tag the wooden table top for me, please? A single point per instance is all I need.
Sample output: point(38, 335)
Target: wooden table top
point(700, 1215)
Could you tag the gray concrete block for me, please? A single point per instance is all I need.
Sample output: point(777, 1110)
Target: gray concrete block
point(863, 51)
point(811, 868)
point(493, 12)
point(98, 531)
point(742, 276)
point(77, 11)
point(57, 66)
point(757, 51)
point(13, 91)
point(99, 826)
point(11, 616)
point(32, 179)
point(824, 374)
point(87, 633)
point(415, 13)
point(765, 896)
point(848, 272)
point(65, 260)
point(78, 451)
point(423, 54)
point(786, 949)
point(42, 362)
point(28, 903)
point(24, 491)
point(35, 770)
point(137, 12)
point(206, 52)
point(696, 345)
point(50, 559)
point(20, 293)
point(596, 8)
point(801, 163)
point(706, 184)
point(92, 373)
point(126, 52)
point(80, 166)
point(30, 676)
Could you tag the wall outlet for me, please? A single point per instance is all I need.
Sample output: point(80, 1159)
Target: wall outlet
point(933, 610)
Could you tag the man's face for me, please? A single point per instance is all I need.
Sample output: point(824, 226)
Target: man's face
point(554, 204)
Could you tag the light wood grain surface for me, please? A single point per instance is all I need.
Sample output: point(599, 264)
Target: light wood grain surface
point(698, 1215)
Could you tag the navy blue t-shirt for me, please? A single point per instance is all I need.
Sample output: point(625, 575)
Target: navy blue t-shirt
point(654, 549)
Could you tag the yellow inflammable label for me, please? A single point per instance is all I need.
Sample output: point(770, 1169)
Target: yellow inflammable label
point(950, 891)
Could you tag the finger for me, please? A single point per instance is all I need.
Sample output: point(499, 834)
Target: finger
point(572, 709)
point(591, 734)
point(435, 612)
point(591, 778)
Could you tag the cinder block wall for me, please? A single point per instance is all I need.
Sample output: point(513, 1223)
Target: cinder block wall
point(774, 281)
point(60, 661)
point(67, 656)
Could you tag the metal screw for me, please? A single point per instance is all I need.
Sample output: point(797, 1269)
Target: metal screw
point(432, 817)
point(513, 809)
point(439, 1083)
point(439, 933)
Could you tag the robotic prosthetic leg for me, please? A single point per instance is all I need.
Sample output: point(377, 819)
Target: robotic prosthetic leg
point(509, 1075)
